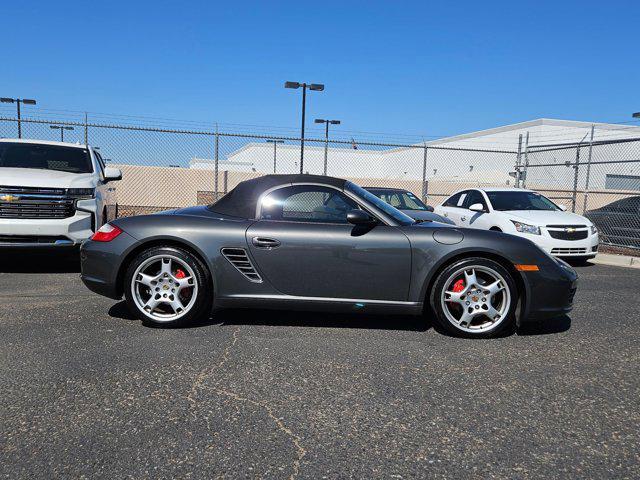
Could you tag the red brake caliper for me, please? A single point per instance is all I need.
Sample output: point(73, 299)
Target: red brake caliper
point(185, 291)
point(458, 286)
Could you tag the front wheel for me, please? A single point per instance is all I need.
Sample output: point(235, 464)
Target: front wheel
point(475, 297)
point(167, 286)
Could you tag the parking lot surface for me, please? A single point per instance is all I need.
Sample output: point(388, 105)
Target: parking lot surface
point(89, 391)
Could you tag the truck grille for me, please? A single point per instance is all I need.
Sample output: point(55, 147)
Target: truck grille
point(35, 202)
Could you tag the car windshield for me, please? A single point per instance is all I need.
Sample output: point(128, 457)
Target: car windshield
point(399, 199)
point(505, 201)
point(45, 157)
point(397, 215)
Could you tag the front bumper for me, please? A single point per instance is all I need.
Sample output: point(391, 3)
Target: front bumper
point(550, 292)
point(587, 247)
point(45, 232)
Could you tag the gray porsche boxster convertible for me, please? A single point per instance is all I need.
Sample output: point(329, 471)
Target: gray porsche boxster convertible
point(315, 242)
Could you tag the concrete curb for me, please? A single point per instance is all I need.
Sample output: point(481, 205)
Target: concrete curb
point(617, 260)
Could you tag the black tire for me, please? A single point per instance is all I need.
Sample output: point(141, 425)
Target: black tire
point(201, 306)
point(506, 323)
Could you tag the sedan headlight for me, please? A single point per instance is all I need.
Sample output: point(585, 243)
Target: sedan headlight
point(81, 193)
point(594, 230)
point(524, 228)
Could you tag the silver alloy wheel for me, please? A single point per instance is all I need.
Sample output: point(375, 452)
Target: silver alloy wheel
point(482, 304)
point(160, 291)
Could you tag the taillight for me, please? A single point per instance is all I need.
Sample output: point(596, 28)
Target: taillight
point(106, 233)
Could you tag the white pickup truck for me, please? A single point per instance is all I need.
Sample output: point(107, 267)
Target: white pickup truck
point(52, 194)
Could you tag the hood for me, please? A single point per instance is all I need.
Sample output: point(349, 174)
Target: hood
point(428, 216)
point(35, 177)
point(542, 217)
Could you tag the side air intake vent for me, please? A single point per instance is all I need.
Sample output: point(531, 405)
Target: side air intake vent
point(239, 259)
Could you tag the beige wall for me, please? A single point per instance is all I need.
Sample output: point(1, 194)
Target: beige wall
point(149, 189)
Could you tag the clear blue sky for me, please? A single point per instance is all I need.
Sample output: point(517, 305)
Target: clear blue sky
point(423, 68)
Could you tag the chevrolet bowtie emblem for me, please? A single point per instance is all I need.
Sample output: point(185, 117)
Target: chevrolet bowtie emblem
point(9, 198)
point(569, 230)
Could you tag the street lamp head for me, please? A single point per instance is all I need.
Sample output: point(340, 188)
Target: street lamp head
point(55, 127)
point(291, 85)
point(335, 122)
point(68, 128)
point(7, 100)
point(319, 120)
point(28, 101)
point(316, 86)
point(636, 115)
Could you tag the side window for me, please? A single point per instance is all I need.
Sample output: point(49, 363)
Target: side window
point(475, 197)
point(100, 162)
point(306, 203)
point(453, 200)
point(463, 197)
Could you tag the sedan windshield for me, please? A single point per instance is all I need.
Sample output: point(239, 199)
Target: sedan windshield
point(45, 157)
point(517, 200)
point(400, 200)
point(397, 215)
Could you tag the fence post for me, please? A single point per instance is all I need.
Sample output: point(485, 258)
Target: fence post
point(575, 179)
point(526, 161)
point(86, 129)
point(518, 156)
point(215, 157)
point(586, 184)
point(424, 174)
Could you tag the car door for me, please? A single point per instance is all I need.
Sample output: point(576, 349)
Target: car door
point(473, 219)
point(304, 246)
point(453, 208)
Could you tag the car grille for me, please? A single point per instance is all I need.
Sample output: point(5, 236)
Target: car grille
point(564, 235)
point(35, 202)
point(568, 251)
point(238, 258)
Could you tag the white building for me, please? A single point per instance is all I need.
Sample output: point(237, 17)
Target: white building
point(483, 157)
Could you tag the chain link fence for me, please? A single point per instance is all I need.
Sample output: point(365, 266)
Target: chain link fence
point(171, 168)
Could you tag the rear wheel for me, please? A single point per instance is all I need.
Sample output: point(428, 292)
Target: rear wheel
point(167, 286)
point(475, 297)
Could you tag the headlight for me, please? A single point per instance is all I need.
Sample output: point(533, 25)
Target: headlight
point(81, 193)
point(594, 230)
point(524, 228)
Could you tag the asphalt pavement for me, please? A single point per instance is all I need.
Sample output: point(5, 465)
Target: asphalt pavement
point(88, 391)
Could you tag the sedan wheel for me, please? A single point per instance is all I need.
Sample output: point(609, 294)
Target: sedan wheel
point(475, 298)
point(166, 285)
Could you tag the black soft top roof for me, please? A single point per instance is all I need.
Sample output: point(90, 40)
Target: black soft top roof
point(241, 201)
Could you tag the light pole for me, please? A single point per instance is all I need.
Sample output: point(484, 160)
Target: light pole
point(311, 86)
point(62, 128)
point(275, 152)
point(326, 137)
point(18, 101)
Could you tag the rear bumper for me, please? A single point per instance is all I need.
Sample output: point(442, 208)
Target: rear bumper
point(100, 264)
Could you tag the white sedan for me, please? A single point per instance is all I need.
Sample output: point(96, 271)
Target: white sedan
point(527, 214)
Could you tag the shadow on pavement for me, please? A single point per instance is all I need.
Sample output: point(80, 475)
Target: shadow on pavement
point(546, 327)
point(50, 261)
point(282, 318)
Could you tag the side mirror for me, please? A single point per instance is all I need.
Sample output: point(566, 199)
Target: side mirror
point(429, 208)
point(477, 207)
point(562, 207)
point(360, 217)
point(112, 174)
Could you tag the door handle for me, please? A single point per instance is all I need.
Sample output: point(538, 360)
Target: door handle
point(463, 218)
point(263, 242)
